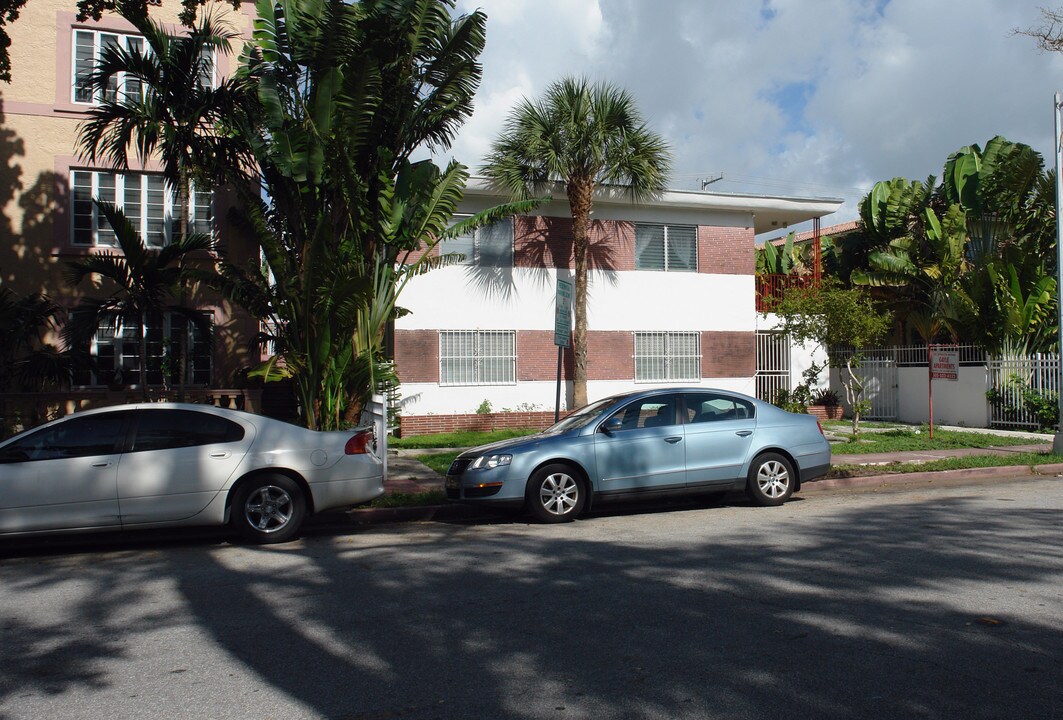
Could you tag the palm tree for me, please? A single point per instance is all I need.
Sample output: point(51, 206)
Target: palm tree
point(144, 280)
point(581, 135)
point(25, 356)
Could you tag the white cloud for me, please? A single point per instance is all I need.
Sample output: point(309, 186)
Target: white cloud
point(888, 88)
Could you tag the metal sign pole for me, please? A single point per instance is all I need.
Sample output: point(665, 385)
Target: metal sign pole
point(930, 383)
point(1057, 441)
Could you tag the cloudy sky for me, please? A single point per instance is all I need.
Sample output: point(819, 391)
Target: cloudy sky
point(813, 98)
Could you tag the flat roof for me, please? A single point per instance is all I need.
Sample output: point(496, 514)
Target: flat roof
point(769, 212)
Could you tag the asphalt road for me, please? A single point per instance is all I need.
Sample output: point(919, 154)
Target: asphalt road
point(915, 602)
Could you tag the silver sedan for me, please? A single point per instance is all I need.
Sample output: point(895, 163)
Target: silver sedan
point(679, 440)
point(150, 465)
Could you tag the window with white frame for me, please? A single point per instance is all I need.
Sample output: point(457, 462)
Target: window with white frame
point(489, 246)
point(477, 357)
point(89, 46)
point(115, 352)
point(667, 356)
point(673, 248)
point(145, 200)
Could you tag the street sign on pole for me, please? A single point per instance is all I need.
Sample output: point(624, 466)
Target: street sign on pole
point(563, 314)
point(562, 333)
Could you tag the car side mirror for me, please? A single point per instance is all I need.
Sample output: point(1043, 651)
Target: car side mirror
point(612, 425)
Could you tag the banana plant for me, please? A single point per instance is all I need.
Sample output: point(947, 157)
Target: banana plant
point(772, 260)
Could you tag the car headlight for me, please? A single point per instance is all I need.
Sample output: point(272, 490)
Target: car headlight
point(490, 461)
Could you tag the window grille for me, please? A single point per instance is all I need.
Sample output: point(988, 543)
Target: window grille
point(477, 357)
point(667, 356)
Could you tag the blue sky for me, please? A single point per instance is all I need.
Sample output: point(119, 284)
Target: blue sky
point(788, 97)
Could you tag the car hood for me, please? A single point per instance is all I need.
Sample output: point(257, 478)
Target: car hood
point(512, 444)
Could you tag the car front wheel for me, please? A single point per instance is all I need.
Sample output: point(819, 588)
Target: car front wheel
point(268, 509)
point(771, 480)
point(555, 494)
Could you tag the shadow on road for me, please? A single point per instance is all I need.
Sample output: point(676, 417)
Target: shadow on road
point(859, 614)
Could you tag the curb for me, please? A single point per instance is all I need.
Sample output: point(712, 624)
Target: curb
point(989, 473)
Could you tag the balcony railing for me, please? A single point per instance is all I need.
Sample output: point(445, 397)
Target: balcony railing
point(770, 288)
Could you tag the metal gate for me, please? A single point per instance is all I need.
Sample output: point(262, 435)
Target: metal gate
point(1018, 386)
point(773, 364)
point(879, 373)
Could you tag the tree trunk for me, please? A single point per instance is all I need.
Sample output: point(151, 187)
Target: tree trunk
point(580, 199)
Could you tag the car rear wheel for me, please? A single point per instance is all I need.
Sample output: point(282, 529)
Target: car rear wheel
point(771, 480)
point(555, 494)
point(268, 509)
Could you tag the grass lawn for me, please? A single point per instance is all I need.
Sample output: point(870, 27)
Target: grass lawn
point(899, 439)
point(976, 461)
point(462, 439)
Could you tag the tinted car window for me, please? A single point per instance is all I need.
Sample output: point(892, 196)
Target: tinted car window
point(164, 429)
point(77, 437)
point(706, 407)
point(654, 411)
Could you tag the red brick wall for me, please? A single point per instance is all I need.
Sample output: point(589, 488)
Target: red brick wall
point(431, 424)
point(726, 250)
point(417, 355)
point(546, 242)
point(537, 356)
point(610, 355)
point(728, 354)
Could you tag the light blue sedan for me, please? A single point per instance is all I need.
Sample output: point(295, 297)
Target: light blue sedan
point(661, 441)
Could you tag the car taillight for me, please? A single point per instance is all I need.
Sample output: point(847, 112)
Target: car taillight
point(359, 443)
point(820, 428)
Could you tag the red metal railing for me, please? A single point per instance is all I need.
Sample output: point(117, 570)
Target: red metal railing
point(770, 288)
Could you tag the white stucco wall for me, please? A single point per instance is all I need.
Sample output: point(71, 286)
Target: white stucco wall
point(454, 298)
point(956, 402)
point(431, 399)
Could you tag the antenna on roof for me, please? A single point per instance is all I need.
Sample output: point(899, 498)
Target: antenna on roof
point(709, 181)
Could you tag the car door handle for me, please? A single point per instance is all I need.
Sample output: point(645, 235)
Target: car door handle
point(673, 439)
point(105, 463)
point(744, 433)
point(221, 454)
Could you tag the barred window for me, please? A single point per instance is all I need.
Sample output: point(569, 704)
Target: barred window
point(488, 246)
point(667, 356)
point(673, 248)
point(477, 357)
point(145, 200)
point(116, 350)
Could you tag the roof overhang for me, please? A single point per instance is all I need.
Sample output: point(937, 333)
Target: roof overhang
point(769, 212)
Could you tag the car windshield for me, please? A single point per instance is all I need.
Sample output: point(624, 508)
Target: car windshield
point(582, 417)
